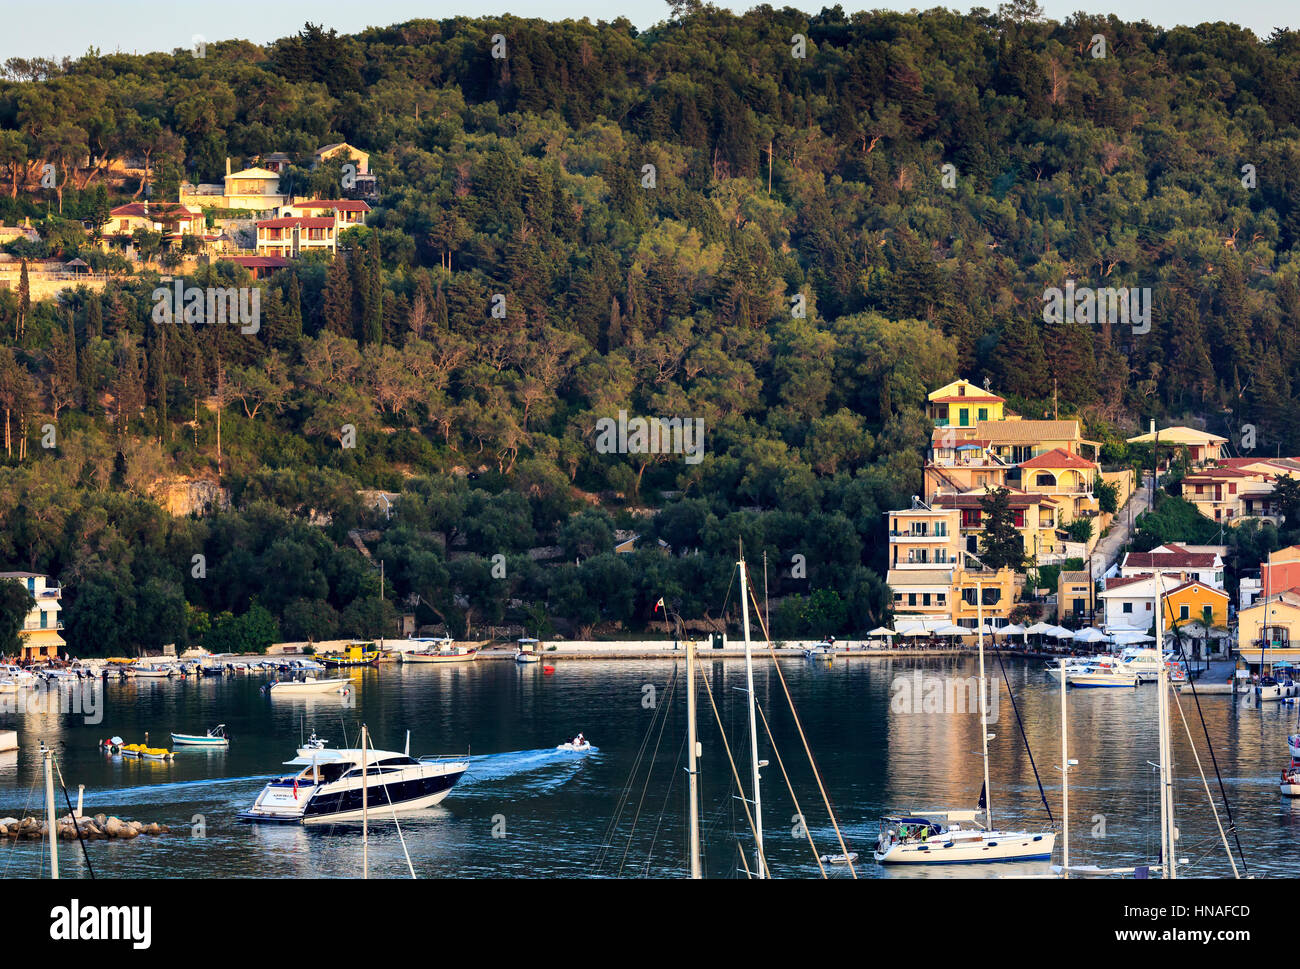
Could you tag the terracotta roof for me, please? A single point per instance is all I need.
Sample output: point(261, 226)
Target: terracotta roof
point(304, 222)
point(1058, 458)
point(1027, 432)
point(928, 577)
point(1168, 560)
point(341, 205)
point(258, 262)
point(1179, 435)
point(1074, 577)
point(1017, 499)
point(969, 399)
point(1187, 585)
point(1121, 581)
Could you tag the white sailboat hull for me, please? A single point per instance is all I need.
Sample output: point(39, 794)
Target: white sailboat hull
point(968, 848)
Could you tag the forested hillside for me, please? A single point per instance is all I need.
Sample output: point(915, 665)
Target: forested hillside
point(664, 291)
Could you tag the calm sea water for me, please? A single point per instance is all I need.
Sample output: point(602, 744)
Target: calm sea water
point(525, 810)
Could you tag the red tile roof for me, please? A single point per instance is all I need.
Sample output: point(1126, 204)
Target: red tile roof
point(258, 262)
point(1169, 560)
point(1186, 585)
point(1058, 458)
point(341, 205)
point(1120, 581)
point(304, 222)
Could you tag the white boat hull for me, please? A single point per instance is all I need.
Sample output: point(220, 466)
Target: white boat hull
point(417, 657)
point(298, 687)
point(1102, 680)
point(970, 847)
point(527, 658)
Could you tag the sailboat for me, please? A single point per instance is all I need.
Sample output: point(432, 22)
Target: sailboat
point(937, 837)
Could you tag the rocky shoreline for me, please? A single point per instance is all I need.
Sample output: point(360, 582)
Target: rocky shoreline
point(92, 828)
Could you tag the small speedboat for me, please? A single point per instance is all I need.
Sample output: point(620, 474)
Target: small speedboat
point(848, 859)
point(216, 737)
point(824, 652)
point(578, 745)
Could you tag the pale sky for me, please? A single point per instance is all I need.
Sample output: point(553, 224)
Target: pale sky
point(70, 27)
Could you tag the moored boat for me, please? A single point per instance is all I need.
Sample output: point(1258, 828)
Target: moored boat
point(1290, 785)
point(216, 737)
point(308, 685)
point(440, 651)
point(925, 839)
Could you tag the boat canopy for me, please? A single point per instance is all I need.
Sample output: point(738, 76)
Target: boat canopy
point(341, 755)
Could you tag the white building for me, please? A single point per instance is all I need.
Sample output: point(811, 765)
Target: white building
point(40, 633)
point(1199, 566)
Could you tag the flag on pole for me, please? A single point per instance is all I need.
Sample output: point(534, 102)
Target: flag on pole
point(660, 605)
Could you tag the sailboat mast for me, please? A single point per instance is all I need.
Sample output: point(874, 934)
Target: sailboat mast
point(692, 753)
point(1162, 708)
point(753, 726)
point(49, 813)
point(1065, 782)
point(984, 700)
point(365, 811)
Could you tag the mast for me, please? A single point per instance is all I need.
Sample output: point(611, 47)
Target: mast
point(1166, 749)
point(365, 811)
point(1065, 782)
point(49, 812)
point(984, 700)
point(692, 753)
point(753, 726)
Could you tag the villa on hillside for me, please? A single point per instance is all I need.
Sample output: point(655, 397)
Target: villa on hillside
point(40, 632)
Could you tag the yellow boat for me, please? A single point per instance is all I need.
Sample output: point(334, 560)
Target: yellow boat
point(148, 753)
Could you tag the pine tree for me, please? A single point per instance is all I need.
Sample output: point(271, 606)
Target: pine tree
point(374, 320)
point(1000, 544)
point(24, 304)
point(293, 327)
point(336, 308)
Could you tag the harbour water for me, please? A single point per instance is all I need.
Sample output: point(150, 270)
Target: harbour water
point(526, 810)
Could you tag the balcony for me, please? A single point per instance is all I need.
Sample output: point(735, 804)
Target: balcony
point(37, 627)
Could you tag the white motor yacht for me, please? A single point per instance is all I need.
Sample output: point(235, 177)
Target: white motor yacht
point(328, 787)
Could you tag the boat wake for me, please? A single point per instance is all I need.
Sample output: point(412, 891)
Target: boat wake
point(488, 769)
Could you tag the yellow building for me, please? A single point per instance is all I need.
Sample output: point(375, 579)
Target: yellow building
point(1036, 517)
point(1269, 631)
point(40, 633)
point(1075, 596)
point(1065, 476)
point(962, 404)
point(1196, 602)
point(999, 589)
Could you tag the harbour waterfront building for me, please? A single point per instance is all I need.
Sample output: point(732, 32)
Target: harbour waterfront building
point(40, 632)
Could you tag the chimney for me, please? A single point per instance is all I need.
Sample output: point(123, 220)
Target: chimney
point(227, 164)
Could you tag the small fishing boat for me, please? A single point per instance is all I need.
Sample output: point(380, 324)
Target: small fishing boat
point(216, 737)
point(440, 651)
point(152, 672)
point(308, 685)
point(527, 652)
point(353, 655)
point(848, 859)
point(823, 652)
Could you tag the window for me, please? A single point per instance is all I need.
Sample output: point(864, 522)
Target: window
point(941, 598)
point(984, 413)
point(1019, 518)
point(1128, 608)
point(1184, 612)
point(1207, 616)
point(911, 598)
point(925, 599)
